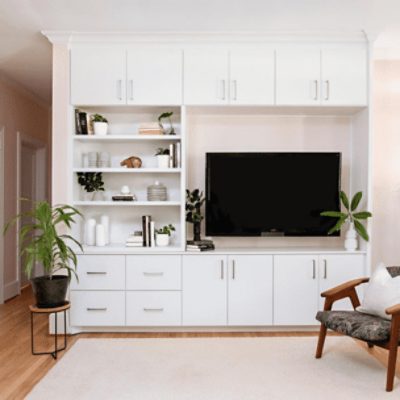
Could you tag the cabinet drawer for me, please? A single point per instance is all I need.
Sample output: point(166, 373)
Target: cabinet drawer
point(153, 272)
point(105, 272)
point(97, 308)
point(153, 308)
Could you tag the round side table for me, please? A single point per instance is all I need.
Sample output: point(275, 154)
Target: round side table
point(55, 310)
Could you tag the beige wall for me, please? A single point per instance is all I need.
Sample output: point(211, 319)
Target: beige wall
point(386, 163)
point(19, 112)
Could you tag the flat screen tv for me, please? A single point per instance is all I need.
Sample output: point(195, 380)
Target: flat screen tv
point(271, 194)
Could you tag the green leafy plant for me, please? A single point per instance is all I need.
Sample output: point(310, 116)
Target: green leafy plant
point(166, 230)
point(91, 181)
point(167, 115)
point(40, 241)
point(350, 215)
point(98, 118)
point(162, 152)
point(194, 200)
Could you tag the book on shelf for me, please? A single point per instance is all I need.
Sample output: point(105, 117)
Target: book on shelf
point(133, 244)
point(135, 240)
point(150, 128)
point(200, 242)
point(200, 247)
point(175, 155)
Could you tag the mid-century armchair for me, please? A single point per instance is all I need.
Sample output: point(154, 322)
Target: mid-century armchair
point(374, 330)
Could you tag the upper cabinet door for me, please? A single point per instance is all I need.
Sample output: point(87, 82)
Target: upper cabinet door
point(344, 75)
point(98, 75)
point(154, 76)
point(298, 75)
point(206, 76)
point(252, 76)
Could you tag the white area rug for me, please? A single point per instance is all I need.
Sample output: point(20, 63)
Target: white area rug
point(214, 369)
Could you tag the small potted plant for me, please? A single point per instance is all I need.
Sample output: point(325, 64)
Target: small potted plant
point(354, 218)
point(92, 183)
point(194, 201)
point(163, 235)
point(162, 157)
point(100, 124)
point(41, 243)
point(171, 129)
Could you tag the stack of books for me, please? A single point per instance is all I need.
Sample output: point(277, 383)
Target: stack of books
point(135, 240)
point(83, 124)
point(200, 245)
point(150, 128)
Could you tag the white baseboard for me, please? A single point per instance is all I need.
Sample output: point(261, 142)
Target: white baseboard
point(11, 289)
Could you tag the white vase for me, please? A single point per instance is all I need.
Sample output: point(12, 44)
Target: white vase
point(163, 161)
point(100, 235)
point(90, 232)
point(100, 128)
point(162, 239)
point(351, 241)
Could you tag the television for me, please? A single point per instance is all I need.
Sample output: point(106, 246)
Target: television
point(271, 194)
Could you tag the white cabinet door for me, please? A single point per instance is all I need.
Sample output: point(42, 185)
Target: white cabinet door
point(298, 74)
point(98, 75)
point(295, 289)
point(344, 75)
point(204, 290)
point(252, 76)
point(206, 76)
point(154, 76)
point(337, 269)
point(250, 290)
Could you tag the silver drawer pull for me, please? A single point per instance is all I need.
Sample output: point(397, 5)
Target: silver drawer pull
point(153, 273)
point(96, 273)
point(153, 309)
point(96, 309)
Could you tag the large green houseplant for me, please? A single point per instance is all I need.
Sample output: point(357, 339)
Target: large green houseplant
point(41, 242)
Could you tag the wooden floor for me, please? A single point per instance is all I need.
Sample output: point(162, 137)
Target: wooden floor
point(20, 371)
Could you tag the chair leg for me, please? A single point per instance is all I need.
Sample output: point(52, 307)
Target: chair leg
point(391, 368)
point(321, 341)
point(370, 345)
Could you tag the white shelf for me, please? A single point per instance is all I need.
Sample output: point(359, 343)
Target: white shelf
point(131, 170)
point(128, 203)
point(124, 138)
point(120, 248)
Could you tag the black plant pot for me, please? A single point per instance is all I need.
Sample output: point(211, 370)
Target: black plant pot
point(196, 231)
point(50, 293)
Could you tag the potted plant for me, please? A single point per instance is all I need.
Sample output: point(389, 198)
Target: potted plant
point(100, 124)
point(194, 201)
point(92, 182)
point(162, 157)
point(41, 243)
point(163, 235)
point(171, 129)
point(353, 217)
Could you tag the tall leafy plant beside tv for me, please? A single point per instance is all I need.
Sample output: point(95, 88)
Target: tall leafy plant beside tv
point(194, 201)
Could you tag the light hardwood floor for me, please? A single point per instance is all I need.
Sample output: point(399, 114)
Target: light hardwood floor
point(20, 371)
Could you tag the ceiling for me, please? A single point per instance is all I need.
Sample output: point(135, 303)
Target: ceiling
point(25, 55)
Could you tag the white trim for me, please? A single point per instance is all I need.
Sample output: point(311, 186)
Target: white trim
point(2, 215)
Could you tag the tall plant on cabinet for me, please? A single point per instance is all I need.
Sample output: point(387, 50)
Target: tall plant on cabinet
point(194, 201)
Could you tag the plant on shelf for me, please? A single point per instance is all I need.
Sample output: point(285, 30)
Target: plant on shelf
point(167, 115)
point(162, 155)
point(352, 216)
point(92, 182)
point(194, 201)
point(100, 124)
point(41, 243)
point(163, 235)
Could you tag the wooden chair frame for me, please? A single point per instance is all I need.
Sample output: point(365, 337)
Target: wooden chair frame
point(348, 290)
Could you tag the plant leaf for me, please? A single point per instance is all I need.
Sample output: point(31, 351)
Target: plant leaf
point(361, 230)
point(337, 226)
point(362, 215)
point(333, 214)
point(344, 199)
point(356, 200)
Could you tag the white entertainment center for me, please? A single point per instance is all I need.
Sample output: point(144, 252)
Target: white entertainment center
point(229, 92)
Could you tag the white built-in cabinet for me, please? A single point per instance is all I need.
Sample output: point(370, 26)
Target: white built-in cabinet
point(115, 75)
point(311, 75)
point(222, 76)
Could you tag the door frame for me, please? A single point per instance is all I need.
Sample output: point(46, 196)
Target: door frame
point(40, 184)
point(2, 131)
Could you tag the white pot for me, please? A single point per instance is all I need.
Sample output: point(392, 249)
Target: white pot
point(163, 161)
point(351, 241)
point(162, 239)
point(100, 128)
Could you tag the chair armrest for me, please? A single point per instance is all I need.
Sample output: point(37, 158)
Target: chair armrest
point(344, 287)
point(393, 310)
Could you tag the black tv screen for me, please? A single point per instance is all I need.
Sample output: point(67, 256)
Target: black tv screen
point(271, 194)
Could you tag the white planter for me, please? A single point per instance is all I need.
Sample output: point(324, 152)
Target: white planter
point(100, 128)
point(162, 239)
point(351, 241)
point(163, 161)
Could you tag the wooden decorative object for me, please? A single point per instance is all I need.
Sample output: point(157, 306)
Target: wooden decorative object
point(132, 162)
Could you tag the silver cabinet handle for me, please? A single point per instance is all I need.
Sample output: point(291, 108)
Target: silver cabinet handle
point(223, 89)
point(327, 89)
point(234, 89)
point(325, 269)
point(315, 90)
point(96, 309)
point(153, 273)
point(233, 270)
point(119, 89)
point(314, 269)
point(96, 273)
point(131, 89)
point(153, 309)
point(222, 269)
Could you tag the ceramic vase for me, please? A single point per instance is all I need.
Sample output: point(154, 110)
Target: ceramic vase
point(100, 128)
point(162, 239)
point(163, 161)
point(351, 241)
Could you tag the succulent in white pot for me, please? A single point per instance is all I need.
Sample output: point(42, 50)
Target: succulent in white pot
point(163, 235)
point(100, 124)
point(162, 157)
